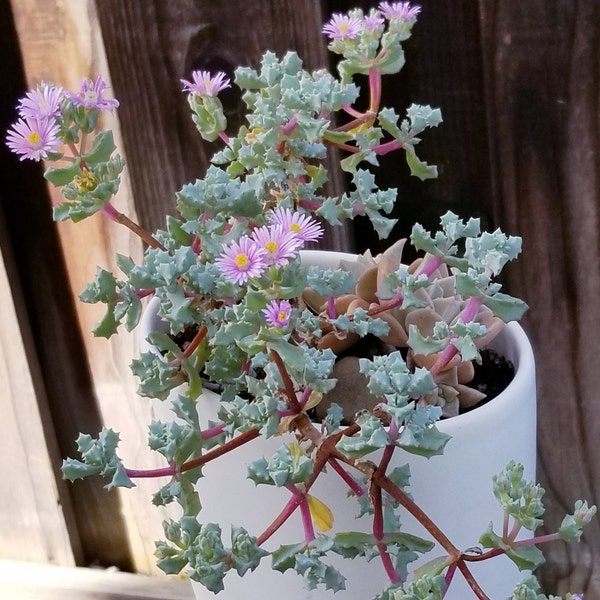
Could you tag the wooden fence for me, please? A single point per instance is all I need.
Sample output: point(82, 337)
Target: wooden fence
point(518, 84)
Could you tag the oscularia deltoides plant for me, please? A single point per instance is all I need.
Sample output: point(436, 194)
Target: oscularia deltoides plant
point(266, 328)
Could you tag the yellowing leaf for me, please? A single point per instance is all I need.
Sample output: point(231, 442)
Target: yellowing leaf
point(313, 400)
point(321, 514)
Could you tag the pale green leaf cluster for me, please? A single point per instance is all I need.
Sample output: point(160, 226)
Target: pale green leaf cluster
point(572, 525)
point(307, 561)
point(99, 458)
point(287, 466)
point(519, 498)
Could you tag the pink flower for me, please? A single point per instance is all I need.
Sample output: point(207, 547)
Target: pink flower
point(279, 245)
point(33, 138)
point(278, 313)
point(90, 95)
point(401, 11)
point(373, 23)
point(241, 260)
point(343, 27)
point(206, 85)
point(42, 102)
point(305, 228)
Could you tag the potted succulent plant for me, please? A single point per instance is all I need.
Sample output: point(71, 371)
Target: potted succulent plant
point(273, 329)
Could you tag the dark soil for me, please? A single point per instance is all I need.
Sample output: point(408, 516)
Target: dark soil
point(492, 376)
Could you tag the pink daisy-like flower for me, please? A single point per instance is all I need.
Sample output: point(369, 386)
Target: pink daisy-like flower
point(241, 260)
point(279, 245)
point(343, 27)
point(205, 84)
point(90, 95)
point(278, 313)
point(373, 23)
point(401, 11)
point(42, 102)
point(33, 138)
point(302, 226)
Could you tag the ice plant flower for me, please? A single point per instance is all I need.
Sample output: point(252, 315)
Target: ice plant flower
point(205, 84)
point(90, 95)
point(33, 138)
point(343, 27)
point(42, 102)
point(373, 23)
point(278, 313)
point(401, 11)
point(304, 227)
point(279, 245)
point(241, 260)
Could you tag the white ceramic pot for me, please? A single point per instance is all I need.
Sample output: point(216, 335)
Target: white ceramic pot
point(455, 489)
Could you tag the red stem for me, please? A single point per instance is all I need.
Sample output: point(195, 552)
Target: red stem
point(414, 509)
point(109, 211)
point(462, 567)
point(358, 489)
point(375, 89)
point(171, 471)
point(288, 384)
point(376, 498)
point(283, 516)
point(307, 524)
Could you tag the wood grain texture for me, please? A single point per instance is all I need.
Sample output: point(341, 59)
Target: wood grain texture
point(152, 45)
point(542, 78)
point(54, 347)
point(60, 42)
point(24, 581)
point(32, 522)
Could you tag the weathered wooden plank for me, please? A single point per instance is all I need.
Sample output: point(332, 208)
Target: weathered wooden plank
point(43, 582)
point(32, 523)
point(152, 45)
point(541, 64)
point(60, 42)
point(63, 389)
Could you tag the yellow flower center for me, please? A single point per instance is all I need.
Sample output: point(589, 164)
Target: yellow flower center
point(252, 136)
point(271, 246)
point(295, 228)
point(281, 316)
point(34, 138)
point(86, 182)
point(241, 260)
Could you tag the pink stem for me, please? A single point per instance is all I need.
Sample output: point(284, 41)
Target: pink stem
point(390, 570)
point(145, 292)
point(375, 88)
point(358, 489)
point(212, 432)
point(351, 111)
point(449, 577)
point(542, 539)
point(110, 212)
point(307, 524)
point(450, 351)
point(387, 147)
point(213, 454)
point(378, 531)
point(305, 396)
point(283, 516)
point(331, 307)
